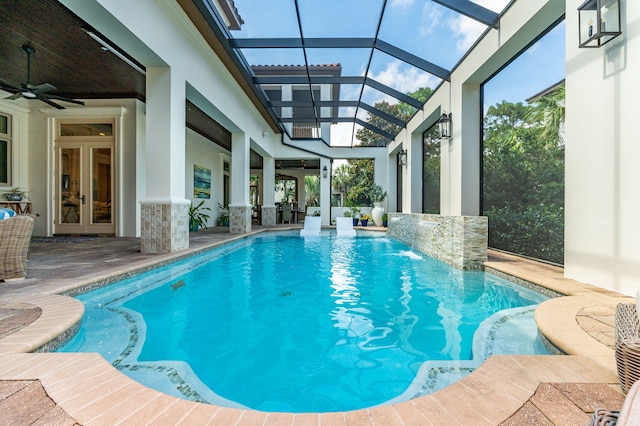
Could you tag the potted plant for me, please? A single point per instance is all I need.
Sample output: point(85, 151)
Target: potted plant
point(385, 218)
point(354, 212)
point(223, 218)
point(15, 195)
point(197, 217)
point(377, 196)
point(364, 219)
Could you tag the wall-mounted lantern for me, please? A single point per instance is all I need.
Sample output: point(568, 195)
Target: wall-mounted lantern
point(598, 22)
point(402, 158)
point(325, 172)
point(444, 125)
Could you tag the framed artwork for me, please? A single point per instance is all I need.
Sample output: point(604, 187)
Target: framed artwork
point(201, 182)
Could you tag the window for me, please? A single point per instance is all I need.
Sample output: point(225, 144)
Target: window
point(5, 149)
point(431, 171)
point(523, 159)
point(226, 183)
point(86, 129)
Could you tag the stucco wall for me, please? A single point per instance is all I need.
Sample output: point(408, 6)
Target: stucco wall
point(602, 229)
point(207, 154)
point(36, 171)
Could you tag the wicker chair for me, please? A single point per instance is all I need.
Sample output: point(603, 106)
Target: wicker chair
point(627, 345)
point(628, 363)
point(15, 236)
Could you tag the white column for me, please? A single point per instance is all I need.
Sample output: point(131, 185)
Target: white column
point(393, 183)
point(470, 126)
point(240, 207)
point(165, 165)
point(325, 191)
point(165, 135)
point(412, 182)
point(460, 187)
point(268, 191)
point(302, 192)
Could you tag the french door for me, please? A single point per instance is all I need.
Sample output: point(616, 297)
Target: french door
point(84, 181)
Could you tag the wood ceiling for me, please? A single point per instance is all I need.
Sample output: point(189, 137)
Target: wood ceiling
point(66, 57)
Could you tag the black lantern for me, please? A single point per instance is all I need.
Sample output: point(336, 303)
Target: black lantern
point(325, 172)
point(444, 125)
point(402, 158)
point(598, 22)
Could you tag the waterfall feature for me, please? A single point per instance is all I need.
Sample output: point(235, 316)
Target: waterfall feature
point(460, 241)
point(423, 234)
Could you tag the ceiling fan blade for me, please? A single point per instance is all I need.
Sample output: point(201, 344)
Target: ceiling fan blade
point(62, 98)
point(45, 100)
point(41, 88)
point(10, 84)
point(14, 97)
point(7, 87)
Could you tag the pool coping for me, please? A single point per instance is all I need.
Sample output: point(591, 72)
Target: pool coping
point(555, 318)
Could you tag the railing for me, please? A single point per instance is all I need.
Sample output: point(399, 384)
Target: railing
point(305, 131)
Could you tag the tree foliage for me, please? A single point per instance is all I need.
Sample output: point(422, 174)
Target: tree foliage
point(523, 193)
point(358, 182)
point(361, 178)
point(431, 171)
point(341, 179)
point(312, 191)
point(286, 186)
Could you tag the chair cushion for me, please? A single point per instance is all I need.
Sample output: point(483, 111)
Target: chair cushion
point(630, 412)
point(15, 236)
point(6, 213)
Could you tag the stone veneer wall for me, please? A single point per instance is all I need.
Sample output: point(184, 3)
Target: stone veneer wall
point(239, 218)
point(460, 241)
point(268, 216)
point(164, 226)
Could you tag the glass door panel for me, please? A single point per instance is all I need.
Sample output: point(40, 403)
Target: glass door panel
point(101, 194)
point(85, 188)
point(70, 199)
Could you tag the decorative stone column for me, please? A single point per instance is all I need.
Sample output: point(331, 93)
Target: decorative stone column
point(165, 226)
point(239, 218)
point(268, 216)
point(268, 194)
point(240, 208)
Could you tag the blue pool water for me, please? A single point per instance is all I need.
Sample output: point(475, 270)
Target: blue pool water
point(277, 322)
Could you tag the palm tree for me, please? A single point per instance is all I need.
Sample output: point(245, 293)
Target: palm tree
point(549, 111)
point(341, 180)
point(312, 191)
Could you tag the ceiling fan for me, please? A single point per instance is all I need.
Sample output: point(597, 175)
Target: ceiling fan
point(30, 91)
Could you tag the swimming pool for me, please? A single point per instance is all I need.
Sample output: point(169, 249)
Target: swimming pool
point(276, 322)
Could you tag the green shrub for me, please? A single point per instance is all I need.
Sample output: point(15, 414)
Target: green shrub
point(537, 232)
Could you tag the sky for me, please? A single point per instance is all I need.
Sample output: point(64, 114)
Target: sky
point(422, 28)
point(539, 67)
